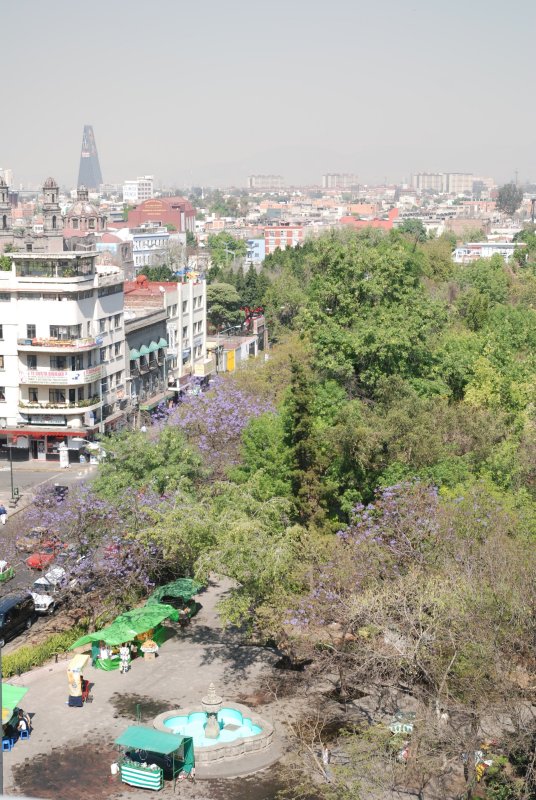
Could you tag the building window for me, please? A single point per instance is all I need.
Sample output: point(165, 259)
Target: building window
point(102, 355)
point(30, 331)
point(31, 362)
point(80, 393)
point(54, 222)
point(74, 223)
point(92, 223)
point(89, 329)
point(1, 362)
point(56, 395)
point(117, 321)
point(185, 332)
point(184, 306)
point(1, 331)
point(33, 394)
point(102, 325)
point(2, 394)
point(104, 384)
point(65, 332)
point(117, 349)
point(58, 362)
point(72, 395)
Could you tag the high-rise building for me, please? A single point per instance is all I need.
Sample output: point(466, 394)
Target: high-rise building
point(339, 180)
point(139, 190)
point(7, 175)
point(430, 181)
point(89, 174)
point(269, 182)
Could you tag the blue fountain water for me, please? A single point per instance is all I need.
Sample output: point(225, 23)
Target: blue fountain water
point(233, 725)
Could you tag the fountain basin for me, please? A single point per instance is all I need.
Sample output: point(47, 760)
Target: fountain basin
point(242, 731)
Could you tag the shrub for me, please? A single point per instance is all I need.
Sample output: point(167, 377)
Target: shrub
point(29, 656)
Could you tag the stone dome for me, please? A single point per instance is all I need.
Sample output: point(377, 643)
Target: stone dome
point(82, 208)
point(50, 183)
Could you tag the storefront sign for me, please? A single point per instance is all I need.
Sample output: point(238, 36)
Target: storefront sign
point(60, 377)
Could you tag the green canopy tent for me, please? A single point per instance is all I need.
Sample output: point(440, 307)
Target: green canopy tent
point(153, 347)
point(134, 354)
point(125, 628)
point(141, 741)
point(144, 350)
point(162, 343)
point(184, 588)
point(11, 697)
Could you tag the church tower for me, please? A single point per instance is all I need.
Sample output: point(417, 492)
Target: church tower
point(6, 222)
point(52, 219)
point(5, 207)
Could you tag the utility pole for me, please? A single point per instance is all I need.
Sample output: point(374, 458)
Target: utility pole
point(11, 468)
point(516, 173)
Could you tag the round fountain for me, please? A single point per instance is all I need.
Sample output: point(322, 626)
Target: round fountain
point(226, 736)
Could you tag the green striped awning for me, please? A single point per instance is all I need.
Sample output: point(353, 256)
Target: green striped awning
point(162, 343)
point(144, 350)
point(134, 354)
point(152, 347)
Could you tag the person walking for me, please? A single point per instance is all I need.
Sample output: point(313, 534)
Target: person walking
point(3, 514)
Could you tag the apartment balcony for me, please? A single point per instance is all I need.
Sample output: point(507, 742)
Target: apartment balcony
point(26, 407)
point(63, 345)
point(59, 377)
point(204, 368)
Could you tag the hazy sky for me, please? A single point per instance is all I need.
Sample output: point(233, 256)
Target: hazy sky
point(209, 92)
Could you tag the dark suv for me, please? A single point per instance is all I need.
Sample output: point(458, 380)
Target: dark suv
point(17, 613)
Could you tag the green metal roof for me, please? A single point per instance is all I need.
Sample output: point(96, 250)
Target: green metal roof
point(152, 347)
point(134, 354)
point(155, 403)
point(162, 342)
point(12, 695)
point(144, 351)
point(141, 737)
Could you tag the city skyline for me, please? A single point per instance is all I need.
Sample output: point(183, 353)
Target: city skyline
point(209, 95)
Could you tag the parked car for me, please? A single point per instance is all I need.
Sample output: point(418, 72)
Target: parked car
point(17, 613)
point(29, 542)
point(46, 590)
point(45, 555)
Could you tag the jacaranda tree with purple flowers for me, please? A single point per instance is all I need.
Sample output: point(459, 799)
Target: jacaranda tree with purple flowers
point(215, 420)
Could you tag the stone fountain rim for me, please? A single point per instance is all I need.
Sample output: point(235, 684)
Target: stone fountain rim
point(266, 726)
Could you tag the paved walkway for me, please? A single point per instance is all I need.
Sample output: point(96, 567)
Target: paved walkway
point(187, 664)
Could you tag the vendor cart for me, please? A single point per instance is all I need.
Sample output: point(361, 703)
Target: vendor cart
point(150, 756)
point(6, 572)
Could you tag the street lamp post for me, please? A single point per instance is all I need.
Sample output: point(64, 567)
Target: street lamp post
point(11, 468)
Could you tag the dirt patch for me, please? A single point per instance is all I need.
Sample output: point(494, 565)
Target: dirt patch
point(263, 786)
point(129, 705)
point(70, 774)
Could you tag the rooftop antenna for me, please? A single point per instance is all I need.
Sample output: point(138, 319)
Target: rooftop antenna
point(516, 173)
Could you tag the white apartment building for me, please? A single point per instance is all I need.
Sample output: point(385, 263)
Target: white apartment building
point(62, 351)
point(472, 251)
point(443, 182)
point(267, 182)
point(186, 331)
point(139, 190)
point(339, 180)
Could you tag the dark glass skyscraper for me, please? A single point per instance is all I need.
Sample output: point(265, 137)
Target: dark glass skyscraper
point(89, 174)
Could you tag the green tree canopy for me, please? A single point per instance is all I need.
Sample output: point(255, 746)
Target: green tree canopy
point(223, 305)
point(509, 198)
